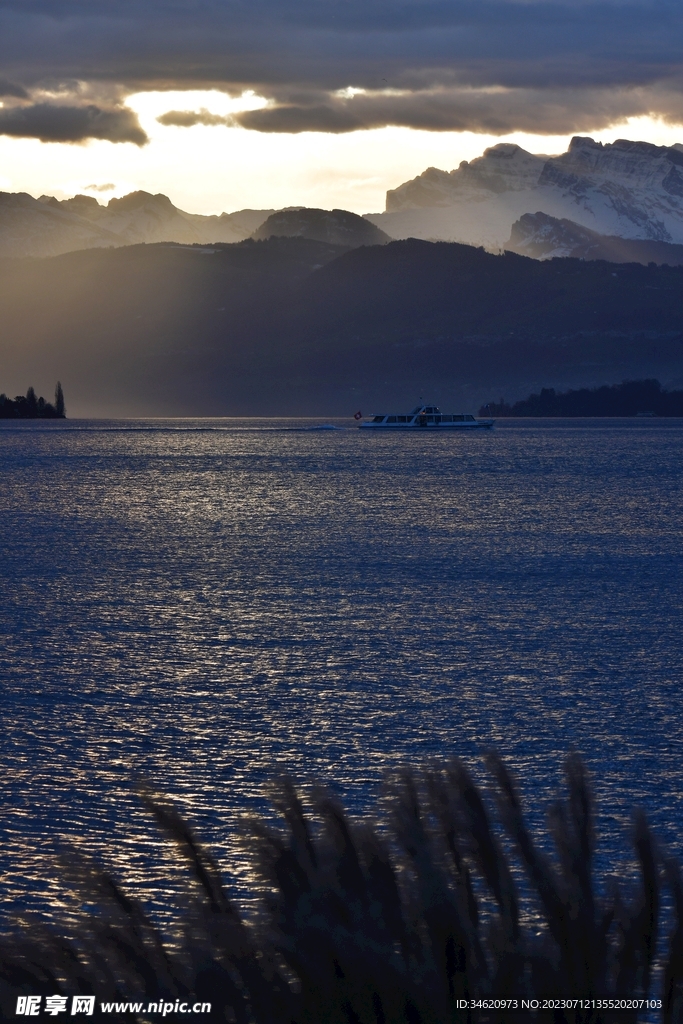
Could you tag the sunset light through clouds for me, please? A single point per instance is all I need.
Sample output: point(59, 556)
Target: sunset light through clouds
point(223, 107)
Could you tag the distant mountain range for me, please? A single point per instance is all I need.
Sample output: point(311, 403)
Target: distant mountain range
point(48, 226)
point(626, 189)
point(583, 201)
point(293, 326)
point(143, 309)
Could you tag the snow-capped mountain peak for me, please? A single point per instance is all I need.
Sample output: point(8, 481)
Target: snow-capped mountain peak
point(627, 189)
point(634, 165)
point(502, 168)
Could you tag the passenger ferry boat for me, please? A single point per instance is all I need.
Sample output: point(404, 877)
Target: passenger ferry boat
point(428, 417)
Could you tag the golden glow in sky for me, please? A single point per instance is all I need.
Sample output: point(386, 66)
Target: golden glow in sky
point(214, 168)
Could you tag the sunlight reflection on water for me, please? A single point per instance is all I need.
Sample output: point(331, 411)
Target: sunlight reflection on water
point(208, 604)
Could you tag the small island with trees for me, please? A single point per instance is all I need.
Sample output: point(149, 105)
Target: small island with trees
point(630, 398)
point(28, 407)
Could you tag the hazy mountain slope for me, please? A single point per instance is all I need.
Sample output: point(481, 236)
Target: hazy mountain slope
point(120, 213)
point(486, 220)
point(141, 217)
point(629, 189)
point(48, 226)
point(542, 237)
point(31, 228)
point(156, 329)
point(336, 227)
point(228, 227)
point(256, 328)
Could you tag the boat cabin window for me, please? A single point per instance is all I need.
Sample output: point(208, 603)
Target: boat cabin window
point(378, 419)
point(391, 419)
point(469, 418)
point(402, 419)
point(446, 419)
point(458, 419)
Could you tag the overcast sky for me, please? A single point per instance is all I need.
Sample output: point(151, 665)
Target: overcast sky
point(224, 104)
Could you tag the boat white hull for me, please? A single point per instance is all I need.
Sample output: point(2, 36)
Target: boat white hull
point(476, 425)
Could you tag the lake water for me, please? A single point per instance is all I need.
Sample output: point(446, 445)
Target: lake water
point(210, 603)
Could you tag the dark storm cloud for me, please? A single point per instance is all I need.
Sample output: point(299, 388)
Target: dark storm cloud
point(538, 111)
point(10, 89)
point(322, 118)
point(542, 111)
point(188, 118)
point(53, 123)
point(564, 56)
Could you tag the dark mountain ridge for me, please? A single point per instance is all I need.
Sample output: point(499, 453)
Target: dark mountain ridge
point(445, 290)
point(294, 326)
point(336, 227)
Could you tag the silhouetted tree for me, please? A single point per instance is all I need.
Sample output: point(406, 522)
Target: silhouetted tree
point(60, 408)
point(630, 398)
point(29, 407)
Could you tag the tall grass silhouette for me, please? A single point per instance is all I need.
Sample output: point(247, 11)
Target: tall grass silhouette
point(396, 922)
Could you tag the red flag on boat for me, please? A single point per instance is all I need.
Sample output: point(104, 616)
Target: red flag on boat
point(358, 415)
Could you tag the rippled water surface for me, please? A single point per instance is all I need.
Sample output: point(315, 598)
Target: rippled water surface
point(209, 603)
